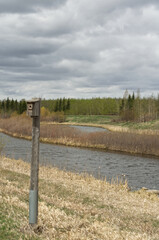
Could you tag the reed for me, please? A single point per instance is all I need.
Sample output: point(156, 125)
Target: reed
point(132, 142)
point(19, 125)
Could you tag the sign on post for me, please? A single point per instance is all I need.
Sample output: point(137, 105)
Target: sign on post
point(33, 110)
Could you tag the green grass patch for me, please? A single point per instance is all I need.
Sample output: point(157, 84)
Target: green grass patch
point(68, 211)
point(14, 176)
point(98, 119)
point(7, 227)
point(58, 189)
point(89, 201)
point(155, 223)
point(111, 119)
point(151, 125)
point(10, 224)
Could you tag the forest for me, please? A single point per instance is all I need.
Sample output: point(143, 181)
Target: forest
point(131, 107)
point(11, 106)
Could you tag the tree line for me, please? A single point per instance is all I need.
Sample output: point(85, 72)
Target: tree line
point(70, 106)
point(129, 108)
point(8, 106)
point(93, 106)
point(135, 108)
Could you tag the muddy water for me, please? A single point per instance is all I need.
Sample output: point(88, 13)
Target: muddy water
point(139, 171)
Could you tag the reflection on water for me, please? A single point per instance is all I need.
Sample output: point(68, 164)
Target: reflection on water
point(139, 171)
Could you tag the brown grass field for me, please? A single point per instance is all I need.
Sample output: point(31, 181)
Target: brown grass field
point(131, 142)
point(73, 207)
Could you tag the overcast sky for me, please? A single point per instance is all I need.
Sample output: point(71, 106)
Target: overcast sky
point(78, 48)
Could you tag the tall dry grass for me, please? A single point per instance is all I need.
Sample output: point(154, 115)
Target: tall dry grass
point(18, 124)
point(63, 134)
point(73, 207)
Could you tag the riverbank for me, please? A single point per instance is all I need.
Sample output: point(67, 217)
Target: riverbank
point(112, 123)
point(72, 207)
point(128, 142)
point(109, 127)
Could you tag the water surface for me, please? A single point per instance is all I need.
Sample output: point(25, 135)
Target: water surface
point(88, 128)
point(139, 171)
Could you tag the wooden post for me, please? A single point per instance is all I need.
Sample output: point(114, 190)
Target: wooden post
point(33, 110)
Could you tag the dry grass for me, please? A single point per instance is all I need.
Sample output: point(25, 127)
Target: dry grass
point(19, 125)
point(131, 142)
point(75, 207)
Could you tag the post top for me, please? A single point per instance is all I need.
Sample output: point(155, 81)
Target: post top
point(33, 100)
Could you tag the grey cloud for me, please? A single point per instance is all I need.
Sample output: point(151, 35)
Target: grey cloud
point(14, 62)
point(21, 6)
point(78, 48)
point(24, 51)
point(22, 47)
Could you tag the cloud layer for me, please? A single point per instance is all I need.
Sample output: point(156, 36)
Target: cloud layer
point(67, 48)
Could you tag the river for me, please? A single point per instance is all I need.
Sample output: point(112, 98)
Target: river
point(88, 128)
point(139, 171)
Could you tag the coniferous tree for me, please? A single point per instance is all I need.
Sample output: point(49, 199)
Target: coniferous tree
point(64, 104)
point(127, 107)
point(130, 102)
point(16, 105)
point(57, 106)
point(12, 107)
point(20, 108)
point(68, 104)
point(3, 105)
point(60, 105)
point(24, 106)
point(7, 105)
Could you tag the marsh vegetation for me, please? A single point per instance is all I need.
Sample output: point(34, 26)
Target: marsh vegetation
point(131, 142)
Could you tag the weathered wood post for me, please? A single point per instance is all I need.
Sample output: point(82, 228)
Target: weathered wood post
point(33, 110)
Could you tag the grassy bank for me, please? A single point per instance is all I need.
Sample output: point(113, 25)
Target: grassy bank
point(74, 207)
point(130, 142)
point(96, 119)
point(150, 125)
point(111, 123)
